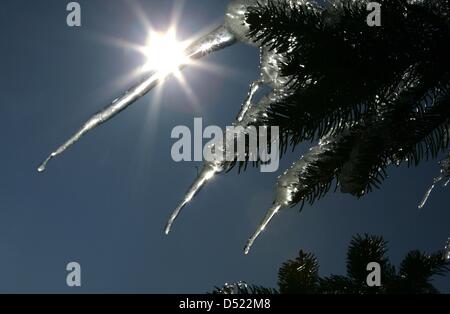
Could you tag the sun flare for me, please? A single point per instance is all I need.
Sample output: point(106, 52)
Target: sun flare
point(165, 54)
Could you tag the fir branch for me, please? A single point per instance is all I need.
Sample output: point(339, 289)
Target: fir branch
point(422, 135)
point(300, 275)
point(341, 66)
point(311, 177)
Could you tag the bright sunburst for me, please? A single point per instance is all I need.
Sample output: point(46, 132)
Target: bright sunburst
point(165, 54)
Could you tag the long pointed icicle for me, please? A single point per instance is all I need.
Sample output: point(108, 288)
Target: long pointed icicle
point(207, 173)
point(210, 169)
point(444, 176)
point(254, 87)
point(300, 178)
point(250, 113)
point(267, 219)
point(428, 193)
point(218, 39)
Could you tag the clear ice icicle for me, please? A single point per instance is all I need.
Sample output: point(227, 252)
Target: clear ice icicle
point(210, 169)
point(428, 193)
point(292, 182)
point(444, 175)
point(248, 101)
point(216, 40)
point(269, 216)
point(207, 173)
point(249, 114)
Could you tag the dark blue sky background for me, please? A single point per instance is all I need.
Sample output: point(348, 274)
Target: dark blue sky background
point(104, 204)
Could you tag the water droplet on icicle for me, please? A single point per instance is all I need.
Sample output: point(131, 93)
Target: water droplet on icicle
point(43, 166)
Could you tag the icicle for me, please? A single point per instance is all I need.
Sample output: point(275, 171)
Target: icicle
point(291, 183)
point(108, 113)
point(252, 115)
point(249, 114)
point(269, 216)
point(207, 173)
point(286, 188)
point(216, 40)
point(445, 170)
point(427, 195)
point(430, 190)
point(248, 101)
point(444, 175)
point(210, 169)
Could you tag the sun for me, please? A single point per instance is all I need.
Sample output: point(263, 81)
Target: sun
point(164, 53)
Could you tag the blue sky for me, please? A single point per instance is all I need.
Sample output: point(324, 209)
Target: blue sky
point(104, 203)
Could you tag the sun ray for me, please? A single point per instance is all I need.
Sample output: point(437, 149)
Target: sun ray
point(187, 90)
point(125, 80)
point(177, 12)
point(215, 69)
point(156, 99)
point(138, 11)
point(164, 53)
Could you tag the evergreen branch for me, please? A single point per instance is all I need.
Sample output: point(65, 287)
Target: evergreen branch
point(418, 269)
point(341, 66)
point(445, 169)
point(423, 135)
point(337, 285)
point(300, 275)
point(242, 288)
point(362, 251)
point(311, 177)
